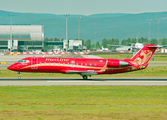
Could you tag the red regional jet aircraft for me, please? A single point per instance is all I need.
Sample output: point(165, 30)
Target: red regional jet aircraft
point(85, 66)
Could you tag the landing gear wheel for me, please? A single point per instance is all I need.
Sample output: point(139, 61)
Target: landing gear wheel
point(85, 77)
point(19, 75)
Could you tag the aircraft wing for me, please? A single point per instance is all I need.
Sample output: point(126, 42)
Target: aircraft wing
point(161, 45)
point(82, 72)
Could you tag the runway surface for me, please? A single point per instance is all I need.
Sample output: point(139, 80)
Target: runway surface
point(80, 82)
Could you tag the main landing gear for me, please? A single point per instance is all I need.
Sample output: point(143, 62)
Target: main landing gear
point(85, 77)
point(19, 77)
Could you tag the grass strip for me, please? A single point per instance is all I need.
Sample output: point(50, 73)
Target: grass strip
point(86, 102)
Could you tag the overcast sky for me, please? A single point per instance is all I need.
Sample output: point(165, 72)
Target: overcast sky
point(83, 7)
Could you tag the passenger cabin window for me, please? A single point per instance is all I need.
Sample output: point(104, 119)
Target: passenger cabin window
point(68, 63)
point(77, 64)
point(40, 63)
point(95, 64)
point(63, 63)
point(45, 63)
point(85, 63)
point(59, 63)
point(54, 63)
point(90, 64)
point(81, 64)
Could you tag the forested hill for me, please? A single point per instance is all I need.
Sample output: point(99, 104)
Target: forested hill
point(94, 27)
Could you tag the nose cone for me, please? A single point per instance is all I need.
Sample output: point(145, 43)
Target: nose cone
point(11, 67)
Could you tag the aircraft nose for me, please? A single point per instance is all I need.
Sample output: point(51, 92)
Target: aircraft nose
point(11, 67)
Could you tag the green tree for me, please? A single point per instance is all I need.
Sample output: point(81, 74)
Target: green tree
point(93, 46)
point(51, 39)
point(112, 42)
point(82, 41)
point(104, 42)
point(97, 45)
point(46, 39)
point(88, 44)
point(133, 40)
point(163, 41)
point(154, 41)
point(123, 42)
point(126, 42)
point(116, 41)
point(144, 40)
point(56, 39)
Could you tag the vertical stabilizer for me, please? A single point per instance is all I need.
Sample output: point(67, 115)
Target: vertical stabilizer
point(143, 56)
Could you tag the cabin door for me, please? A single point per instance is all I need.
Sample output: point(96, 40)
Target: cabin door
point(34, 63)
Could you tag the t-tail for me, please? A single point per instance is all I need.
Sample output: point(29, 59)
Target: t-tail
point(142, 57)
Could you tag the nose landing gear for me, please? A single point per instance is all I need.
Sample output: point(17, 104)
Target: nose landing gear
point(19, 77)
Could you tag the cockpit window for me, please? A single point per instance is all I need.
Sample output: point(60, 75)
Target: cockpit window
point(23, 61)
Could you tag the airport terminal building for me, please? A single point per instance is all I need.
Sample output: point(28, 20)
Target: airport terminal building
point(21, 37)
point(30, 38)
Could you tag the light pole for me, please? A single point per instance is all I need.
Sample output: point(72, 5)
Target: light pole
point(78, 26)
point(11, 31)
point(158, 28)
point(149, 20)
point(66, 32)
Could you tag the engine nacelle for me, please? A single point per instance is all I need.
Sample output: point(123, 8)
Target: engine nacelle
point(130, 49)
point(116, 63)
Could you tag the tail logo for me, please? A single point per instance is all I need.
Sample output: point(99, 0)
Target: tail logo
point(144, 57)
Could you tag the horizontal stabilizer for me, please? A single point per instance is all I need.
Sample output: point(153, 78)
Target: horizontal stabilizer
point(152, 46)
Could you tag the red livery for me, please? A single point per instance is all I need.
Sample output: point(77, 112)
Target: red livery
point(85, 66)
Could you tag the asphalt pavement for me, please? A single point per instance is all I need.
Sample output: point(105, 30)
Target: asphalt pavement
point(80, 82)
